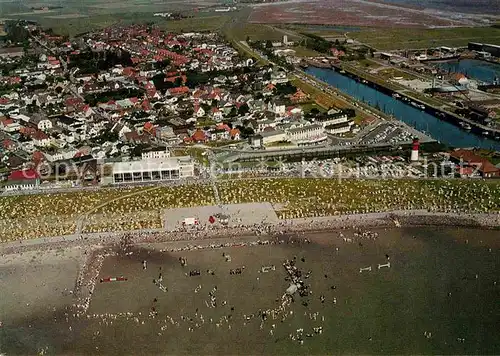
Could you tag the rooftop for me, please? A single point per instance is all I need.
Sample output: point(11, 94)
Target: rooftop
point(164, 164)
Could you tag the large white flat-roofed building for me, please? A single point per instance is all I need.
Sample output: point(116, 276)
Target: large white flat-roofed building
point(153, 170)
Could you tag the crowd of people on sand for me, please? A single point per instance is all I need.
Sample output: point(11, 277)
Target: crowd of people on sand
point(283, 227)
point(284, 232)
point(268, 319)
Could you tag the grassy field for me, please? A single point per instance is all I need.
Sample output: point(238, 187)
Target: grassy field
point(307, 107)
point(75, 26)
point(389, 39)
point(324, 100)
point(79, 17)
point(302, 51)
point(389, 73)
point(199, 23)
point(258, 32)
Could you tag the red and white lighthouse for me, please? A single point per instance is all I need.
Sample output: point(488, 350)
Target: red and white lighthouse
point(414, 150)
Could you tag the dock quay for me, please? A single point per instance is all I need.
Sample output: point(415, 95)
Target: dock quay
point(408, 99)
point(319, 152)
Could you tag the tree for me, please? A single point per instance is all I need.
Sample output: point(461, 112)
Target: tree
point(205, 107)
point(269, 44)
point(137, 150)
point(245, 131)
point(243, 109)
point(349, 112)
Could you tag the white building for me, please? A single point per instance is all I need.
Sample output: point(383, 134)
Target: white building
point(278, 107)
point(41, 139)
point(272, 136)
point(339, 128)
point(44, 124)
point(309, 134)
point(153, 170)
point(331, 120)
point(156, 154)
point(61, 155)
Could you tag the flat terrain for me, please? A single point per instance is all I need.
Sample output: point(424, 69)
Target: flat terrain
point(37, 282)
point(440, 281)
point(324, 100)
point(34, 216)
point(388, 39)
point(77, 17)
point(359, 13)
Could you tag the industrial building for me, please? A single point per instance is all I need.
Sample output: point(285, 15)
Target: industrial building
point(153, 170)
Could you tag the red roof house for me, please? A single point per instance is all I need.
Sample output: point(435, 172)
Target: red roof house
point(199, 136)
point(27, 174)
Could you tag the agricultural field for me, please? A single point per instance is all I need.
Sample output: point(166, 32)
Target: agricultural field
point(411, 38)
point(257, 32)
point(198, 23)
point(74, 17)
point(359, 14)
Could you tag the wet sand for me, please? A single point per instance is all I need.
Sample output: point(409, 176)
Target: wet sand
point(385, 311)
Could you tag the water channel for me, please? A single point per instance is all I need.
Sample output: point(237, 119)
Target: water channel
point(440, 130)
point(481, 70)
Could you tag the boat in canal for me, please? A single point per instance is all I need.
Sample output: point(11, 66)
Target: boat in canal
point(440, 128)
point(465, 126)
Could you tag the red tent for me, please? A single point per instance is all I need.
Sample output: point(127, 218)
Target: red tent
point(211, 219)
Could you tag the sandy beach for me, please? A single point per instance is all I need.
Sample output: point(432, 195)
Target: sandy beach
point(62, 307)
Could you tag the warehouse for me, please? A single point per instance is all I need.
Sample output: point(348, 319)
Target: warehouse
point(153, 170)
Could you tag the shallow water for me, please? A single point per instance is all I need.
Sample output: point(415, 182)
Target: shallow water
point(384, 311)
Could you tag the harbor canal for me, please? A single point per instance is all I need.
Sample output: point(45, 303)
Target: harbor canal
point(480, 70)
point(438, 129)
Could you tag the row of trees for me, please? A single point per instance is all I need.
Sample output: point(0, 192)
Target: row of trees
point(93, 62)
point(317, 43)
point(93, 99)
point(267, 49)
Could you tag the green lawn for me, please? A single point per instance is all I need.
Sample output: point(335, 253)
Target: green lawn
point(307, 107)
point(302, 51)
point(199, 23)
point(323, 100)
point(389, 73)
point(258, 32)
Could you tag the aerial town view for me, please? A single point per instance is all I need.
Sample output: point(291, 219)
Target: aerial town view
point(249, 177)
